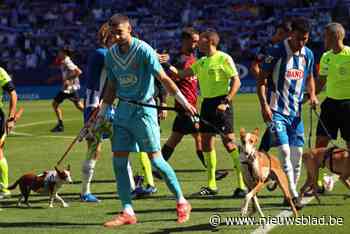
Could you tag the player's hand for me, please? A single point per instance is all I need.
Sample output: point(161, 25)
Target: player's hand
point(313, 101)
point(10, 124)
point(163, 58)
point(191, 110)
point(266, 113)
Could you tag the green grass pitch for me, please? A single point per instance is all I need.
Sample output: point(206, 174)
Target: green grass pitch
point(34, 148)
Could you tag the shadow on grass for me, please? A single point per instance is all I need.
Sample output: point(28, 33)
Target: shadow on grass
point(197, 227)
point(46, 225)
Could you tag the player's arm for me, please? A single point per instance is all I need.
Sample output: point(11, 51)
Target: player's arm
point(172, 89)
point(74, 73)
point(311, 86)
point(8, 86)
point(178, 73)
point(261, 83)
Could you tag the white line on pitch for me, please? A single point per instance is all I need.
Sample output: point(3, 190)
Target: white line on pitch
point(286, 213)
point(41, 122)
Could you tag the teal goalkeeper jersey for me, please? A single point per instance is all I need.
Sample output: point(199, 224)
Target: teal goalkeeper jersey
point(133, 72)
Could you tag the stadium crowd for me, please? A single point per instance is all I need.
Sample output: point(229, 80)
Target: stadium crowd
point(33, 31)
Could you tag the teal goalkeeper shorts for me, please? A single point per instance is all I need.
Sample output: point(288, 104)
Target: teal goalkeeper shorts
point(135, 129)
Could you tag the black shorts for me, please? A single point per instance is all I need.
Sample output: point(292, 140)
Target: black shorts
point(2, 123)
point(335, 115)
point(221, 120)
point(184, 125)
point(61, 96)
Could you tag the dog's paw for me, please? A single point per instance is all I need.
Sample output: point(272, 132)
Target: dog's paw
point(51, 206)
point(65, 205)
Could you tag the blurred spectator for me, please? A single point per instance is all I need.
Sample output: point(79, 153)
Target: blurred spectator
point(52, 24)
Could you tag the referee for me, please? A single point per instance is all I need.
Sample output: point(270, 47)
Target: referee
point(215, 72)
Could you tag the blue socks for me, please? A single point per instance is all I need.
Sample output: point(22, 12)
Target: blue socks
point(120, 165)
point(169, 176)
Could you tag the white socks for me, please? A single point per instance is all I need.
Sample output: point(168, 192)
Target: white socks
point(131, 177)
point(296, 154)
point(88, 169)
point(285, 159)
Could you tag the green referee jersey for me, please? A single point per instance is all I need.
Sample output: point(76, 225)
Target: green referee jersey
point(214, 73)
point(337, 69)
point(4, 79)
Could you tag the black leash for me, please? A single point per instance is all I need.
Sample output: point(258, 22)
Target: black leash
point(310, 127)
point(178, 110)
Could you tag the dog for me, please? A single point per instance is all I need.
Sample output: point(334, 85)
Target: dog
point(336, 159)
point(49, 182)
point(257, 168)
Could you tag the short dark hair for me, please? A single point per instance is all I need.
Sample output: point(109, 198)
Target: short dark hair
point(119, 18)
point(301, 24)
point(211, 35)
point(67, 50)
point(285, 25)
point(188, 32)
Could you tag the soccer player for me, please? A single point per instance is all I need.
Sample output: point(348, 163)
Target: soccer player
point(70, 86)
point(131, 67)
point(216, 72)
point(184, 124)
point(282, 32)
point(289, 65)
point(6, 125)
point(334, 71)
point(96, 77)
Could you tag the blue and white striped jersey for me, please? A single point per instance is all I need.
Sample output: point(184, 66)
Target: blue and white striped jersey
point(96, 77)
point(289, 72)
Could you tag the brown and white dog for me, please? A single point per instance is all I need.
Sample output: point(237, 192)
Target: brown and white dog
point(49, 182)
point(257, 167)
point(337, 160)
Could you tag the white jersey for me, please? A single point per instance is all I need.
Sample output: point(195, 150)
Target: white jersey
point(69, 85)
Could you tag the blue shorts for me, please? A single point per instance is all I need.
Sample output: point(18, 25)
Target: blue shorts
point(287, 130)
point(135, 129)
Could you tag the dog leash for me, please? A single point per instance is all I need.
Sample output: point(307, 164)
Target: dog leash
point(178, 110)
point(310, 127)
point(82, 133)
point(324, 128)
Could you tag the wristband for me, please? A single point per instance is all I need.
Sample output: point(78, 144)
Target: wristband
point(181, 98)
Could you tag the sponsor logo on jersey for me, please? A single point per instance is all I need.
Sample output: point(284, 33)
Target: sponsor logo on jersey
point(127, 80)
point(294, 74)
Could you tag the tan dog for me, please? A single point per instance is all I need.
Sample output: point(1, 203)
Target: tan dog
point(256, 169)
point(337, 160)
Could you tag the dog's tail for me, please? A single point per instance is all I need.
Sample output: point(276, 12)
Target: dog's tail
point(13, 186)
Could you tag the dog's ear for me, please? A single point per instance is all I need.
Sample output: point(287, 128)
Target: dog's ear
point(242, 132)
point(68, 167)
point(256, 131)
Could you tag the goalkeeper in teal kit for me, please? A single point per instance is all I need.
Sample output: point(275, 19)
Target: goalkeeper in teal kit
point(131, 67)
